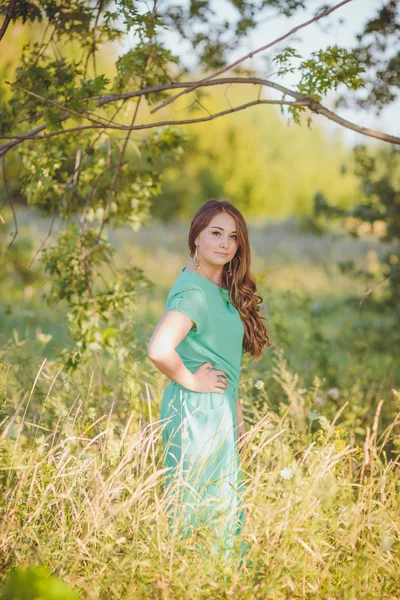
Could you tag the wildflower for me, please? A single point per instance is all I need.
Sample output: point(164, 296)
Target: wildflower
point(339, 444)
point(313, 416)
point(44, 338)
point(286, 473)
point(319, 400)
point(333, 393)
point(259, 384)
point(324, 422)
point(386, 542)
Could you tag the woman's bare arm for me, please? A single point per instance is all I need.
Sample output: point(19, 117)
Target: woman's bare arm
point(170, 331)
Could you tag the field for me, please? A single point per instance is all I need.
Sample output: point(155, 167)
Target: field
point(81, 462)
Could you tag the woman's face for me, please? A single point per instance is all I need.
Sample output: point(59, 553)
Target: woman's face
point(217, 243)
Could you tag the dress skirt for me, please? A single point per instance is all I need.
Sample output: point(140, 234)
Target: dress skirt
point(203, 481)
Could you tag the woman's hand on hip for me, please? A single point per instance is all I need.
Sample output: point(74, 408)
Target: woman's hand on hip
point(208, 379)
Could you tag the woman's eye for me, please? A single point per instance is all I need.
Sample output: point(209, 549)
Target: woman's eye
point(219, 233)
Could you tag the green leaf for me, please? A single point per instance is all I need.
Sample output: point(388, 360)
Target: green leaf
point(35, 583)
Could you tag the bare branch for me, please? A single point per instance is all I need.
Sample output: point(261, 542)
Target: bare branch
point(45, 239)
point(300, 99)
point(321, 110)
point(371, 289)
point(118, 170)
point(8, 18)
point(93, 47)
point(250, 55)
point(18, 139)
point(124, 147)
point(75, 174)
point(102, 100)
point(8, 197)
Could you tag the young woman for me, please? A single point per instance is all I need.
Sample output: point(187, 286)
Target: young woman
point(211, 318)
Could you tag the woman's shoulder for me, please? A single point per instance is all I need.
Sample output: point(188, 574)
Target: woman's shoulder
point(186, 283)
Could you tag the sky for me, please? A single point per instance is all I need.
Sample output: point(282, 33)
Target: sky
point(344, 24)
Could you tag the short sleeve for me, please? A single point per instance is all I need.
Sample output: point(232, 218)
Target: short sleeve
point(192, 302)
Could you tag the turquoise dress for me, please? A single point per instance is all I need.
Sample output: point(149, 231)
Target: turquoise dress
point(203, 477)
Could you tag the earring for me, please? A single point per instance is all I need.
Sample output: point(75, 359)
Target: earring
point(196, 260)
point(230, 269)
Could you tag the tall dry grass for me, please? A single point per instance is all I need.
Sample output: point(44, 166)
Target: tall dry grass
point(88, 502)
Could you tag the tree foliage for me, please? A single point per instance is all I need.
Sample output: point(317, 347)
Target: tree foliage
point(376, 214)
point(88, 144)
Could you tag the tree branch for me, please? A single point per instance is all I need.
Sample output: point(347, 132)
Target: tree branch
point(300, 99)
point(371, 289)
point(250, 55)
point(8, 18)
point(124, 147)
point(8, 197)
point(45, 239)
point(117, 172)
point(319, 109)
point(80, 115)
point(19, 139)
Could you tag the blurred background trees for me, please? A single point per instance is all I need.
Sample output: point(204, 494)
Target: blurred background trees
point(95, 211)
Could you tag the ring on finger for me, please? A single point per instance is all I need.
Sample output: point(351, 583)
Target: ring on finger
point(220, 378)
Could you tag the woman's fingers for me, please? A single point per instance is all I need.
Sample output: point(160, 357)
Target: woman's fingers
point(221, 382)
point(221, 387)
point(220, 373)
point(220, 377)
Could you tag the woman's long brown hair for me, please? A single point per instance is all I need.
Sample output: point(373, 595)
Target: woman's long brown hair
point(241, 285)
